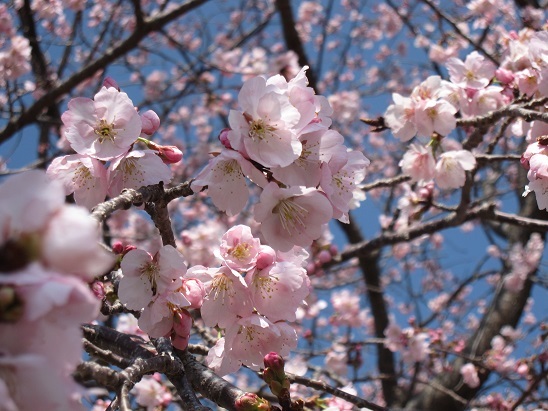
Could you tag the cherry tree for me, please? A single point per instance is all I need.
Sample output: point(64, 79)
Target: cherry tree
point(273, 205)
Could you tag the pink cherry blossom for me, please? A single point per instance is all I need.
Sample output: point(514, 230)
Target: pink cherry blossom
point(400, 117)
point(84, 176)
point(278, 290)
point(227, 297)
point(149, 393)
point(451, 167)
point(340, 182)
point(318, 147)
point(418, 162)
point(435, 116)
point(70, 244)
point(239, 249)
point(475, 72)
point(254, 336)
point(265, 131)
point(104, 127)
point(136, 169)
point(224, 177)
point(292, 216)
point(144, 276)
point(15, 61)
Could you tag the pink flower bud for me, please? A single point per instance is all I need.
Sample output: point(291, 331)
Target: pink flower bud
point(274, 374)
point(150, 121)
point(504, 76)
point(98, 289)
point(223, 137)
point(109, 82)
point(182, 323)
point(251, 402)
point(117, 248)
point(170, 154)
point(266, 257)
point(324, 256)
point(194, 292)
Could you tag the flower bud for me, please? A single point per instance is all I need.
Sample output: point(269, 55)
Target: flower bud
point(150, 122)
point(274, 374)
point(109, 82)
point(223, 137)
point(117, 247)
point(251, 402)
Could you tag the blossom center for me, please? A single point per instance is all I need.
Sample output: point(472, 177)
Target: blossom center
point(105, 131)
point(259, 130)
point(240, 252)
point(82, 175)
point(220, 286)
point(292, 215)
point(150, 271)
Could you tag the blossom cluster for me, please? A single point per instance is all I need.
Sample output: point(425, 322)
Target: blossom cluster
point(476, 87)
point(49, 251)
point(102, 132)
point(281, 141)
point(251, 296)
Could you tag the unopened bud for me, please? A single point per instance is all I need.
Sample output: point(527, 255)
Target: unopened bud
point(274, 374)
point(150, 122)
point(109, 82)
point(117, 247)
point(251, 402)
point(223, 137)
point(98, 289)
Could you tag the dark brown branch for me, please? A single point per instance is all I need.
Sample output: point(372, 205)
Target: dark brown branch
point(293, 41)
point(323, 387)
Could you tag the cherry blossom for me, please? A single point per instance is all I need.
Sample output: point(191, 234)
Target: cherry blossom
point(292, 216)
point(84, 176)
point(418, 162)
point(136, 169)
point(104, 127)
point(475, 72)
point(239, 249)
point(224, 177)
point(144, 275)
point(451, 167)
point(265, 130)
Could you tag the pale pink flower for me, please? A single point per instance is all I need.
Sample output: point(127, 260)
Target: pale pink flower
point(340, 182)
point(225, 178)
point(435, 116)
point(136, 169)
point(239, 249)
point(54, 307)
point(451, 167)
point(292, 216)
point(417, 347)
point(470, 375)
point(84, 176)
point(265, 131)
point(418, 162)
point(15, 61)
point(318, 147)
point(346, 304)
point(31, 382)
point(104, 127)
point(145, 276)
point(70, 244)
point(227, 297)
point(278, 290)
point(400, 117)
point(149, 393)
point(336, 360)
point(254, 336)
point(475, 72)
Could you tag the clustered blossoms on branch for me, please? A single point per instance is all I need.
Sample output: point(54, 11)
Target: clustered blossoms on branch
point(476, 87)
point(281, 141)
point(49, 251)
point(102, 132)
